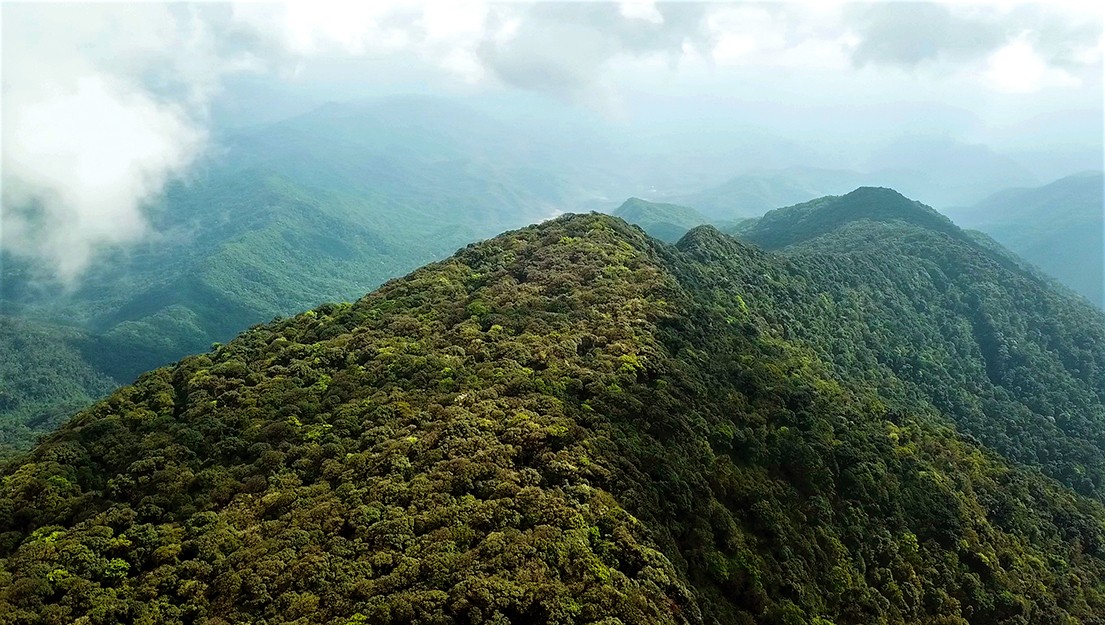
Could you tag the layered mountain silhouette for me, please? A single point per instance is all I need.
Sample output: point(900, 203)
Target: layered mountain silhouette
point(1058, 227)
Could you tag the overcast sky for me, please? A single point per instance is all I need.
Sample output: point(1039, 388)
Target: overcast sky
point(104, 104)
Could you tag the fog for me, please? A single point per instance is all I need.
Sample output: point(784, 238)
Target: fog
point(104, 105)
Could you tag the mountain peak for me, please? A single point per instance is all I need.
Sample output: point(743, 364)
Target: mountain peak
point(570, 423)
point(885, 194)
point(795, 224)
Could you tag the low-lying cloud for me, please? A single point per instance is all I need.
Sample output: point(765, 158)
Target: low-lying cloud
point(87, 141)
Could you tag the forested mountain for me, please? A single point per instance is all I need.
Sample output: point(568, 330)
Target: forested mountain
point(45, 374)
point(667, 222)
point(322, 207)
point(1058, 227)
point(575, 423)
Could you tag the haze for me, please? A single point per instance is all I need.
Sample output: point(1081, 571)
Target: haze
point(105, 105)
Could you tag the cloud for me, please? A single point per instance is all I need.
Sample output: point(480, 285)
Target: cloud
point(563, 49)
point(1055, 42)
point(101, 107)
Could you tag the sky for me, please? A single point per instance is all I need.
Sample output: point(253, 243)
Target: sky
point(105, 104)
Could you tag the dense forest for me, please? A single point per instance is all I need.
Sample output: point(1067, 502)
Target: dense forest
point(884, 420)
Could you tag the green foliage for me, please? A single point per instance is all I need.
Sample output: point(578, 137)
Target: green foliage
point(571, 423)
point(45, 377)
point(939, 325)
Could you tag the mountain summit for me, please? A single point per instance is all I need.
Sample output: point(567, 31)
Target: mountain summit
point(794, 224)
point(573, 423)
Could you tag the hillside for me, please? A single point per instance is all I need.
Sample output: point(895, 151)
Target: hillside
point(1058, 227)
point(321, 207)
point(667, 222)
point(795, 224)
point(574, 423)
point(939, 321)
point(45, 376)
point(231, 252)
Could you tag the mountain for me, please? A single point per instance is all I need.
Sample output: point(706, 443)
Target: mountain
point(794, 224)
point(945, 171)
point(667, 222)
point(321, 207)
point(1058, 227)
point(232, 251)
point(940, 321)
point(753, 194)
point(575, 423)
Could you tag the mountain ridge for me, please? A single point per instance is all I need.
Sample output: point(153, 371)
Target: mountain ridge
point(1058, 227)
point(793, 224)
point(569, 423)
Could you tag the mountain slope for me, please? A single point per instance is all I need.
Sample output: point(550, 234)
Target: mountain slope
point(1058, 227)
point(322, 207)
point(570, 423)
point(232, 251)
point(795, 224)
point(45, 376)
point(939, 322)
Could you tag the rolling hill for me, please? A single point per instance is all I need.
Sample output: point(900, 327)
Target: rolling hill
point(667, 222)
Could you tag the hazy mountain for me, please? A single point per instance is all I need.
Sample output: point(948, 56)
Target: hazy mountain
point(944, 171)
point(1058, 227)
point(751, 195)
point(576, 423)
point(667, 222)
point(938, 170)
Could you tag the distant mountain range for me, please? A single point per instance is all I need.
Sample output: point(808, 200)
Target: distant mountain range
point(939, 170)
point(1058, 227)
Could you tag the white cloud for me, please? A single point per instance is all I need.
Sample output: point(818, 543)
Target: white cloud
point(87, 142)
point(1018, 68)
point(641, 10)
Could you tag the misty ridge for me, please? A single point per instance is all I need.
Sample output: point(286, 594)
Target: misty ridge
point(601, 313)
